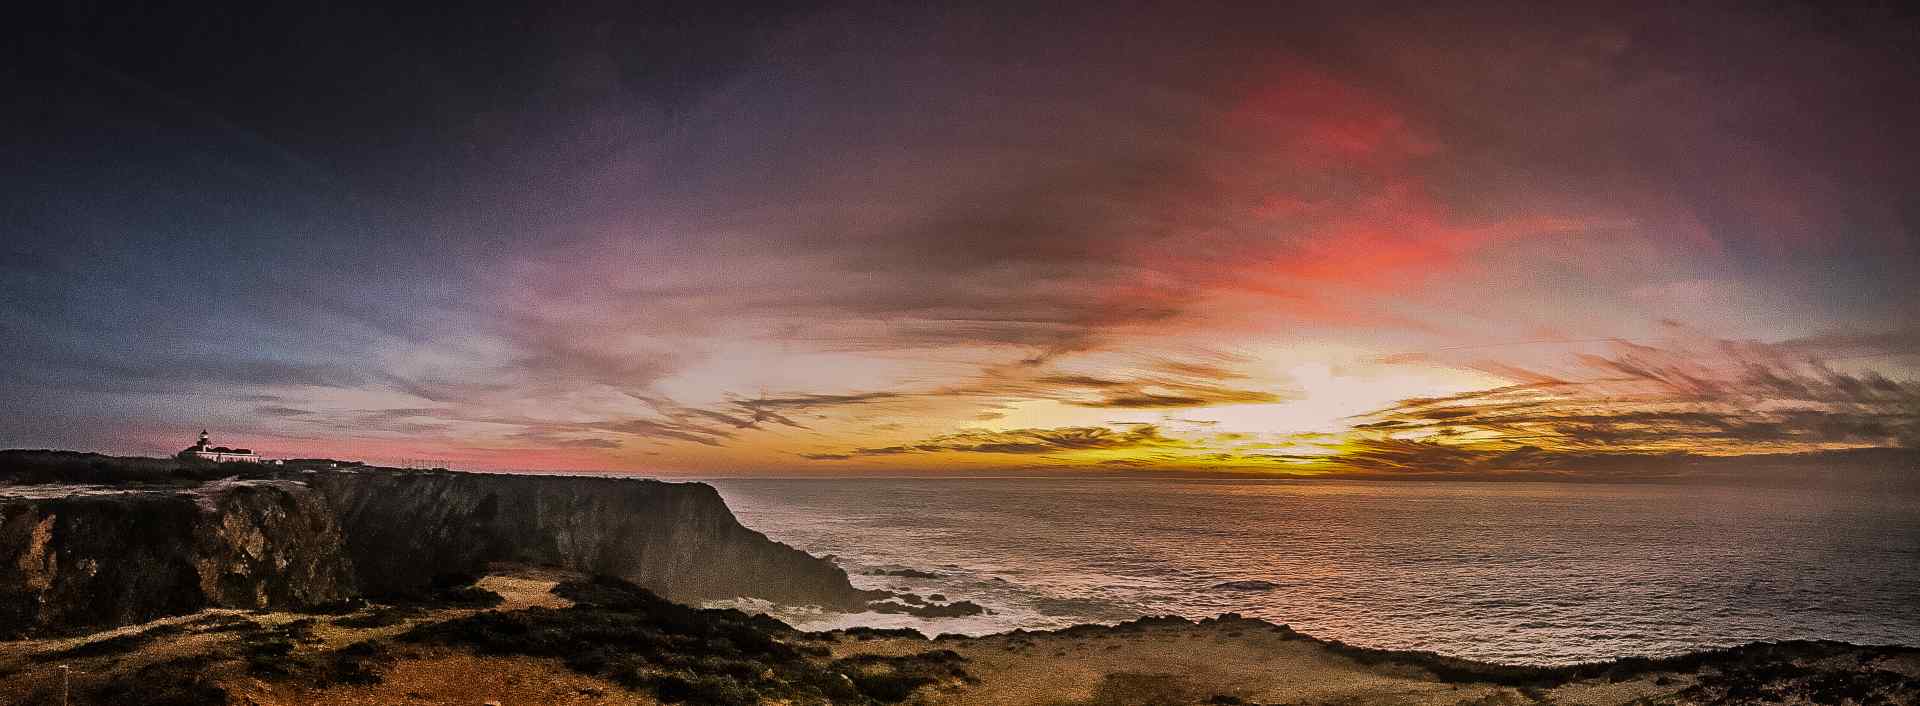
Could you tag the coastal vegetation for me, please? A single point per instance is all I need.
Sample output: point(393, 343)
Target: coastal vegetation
point(41, 466)
point(627, 634)
point(619, 638)
point(49, 466)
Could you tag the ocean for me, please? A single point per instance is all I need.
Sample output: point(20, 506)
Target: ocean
point(1540, 573)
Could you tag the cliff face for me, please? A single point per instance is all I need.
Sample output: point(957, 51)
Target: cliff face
point(269, 545)
point(677, 539)
point(75, 559)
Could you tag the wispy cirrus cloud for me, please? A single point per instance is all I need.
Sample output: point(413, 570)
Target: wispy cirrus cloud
point(1696, 397)
point(1150, 383)
point(1021, 442)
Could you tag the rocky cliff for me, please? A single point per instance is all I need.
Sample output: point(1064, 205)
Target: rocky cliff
point(79, 558)
point(82, 557)
point(403, 529)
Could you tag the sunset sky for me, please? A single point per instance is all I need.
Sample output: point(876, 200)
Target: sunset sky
point(1347, 238)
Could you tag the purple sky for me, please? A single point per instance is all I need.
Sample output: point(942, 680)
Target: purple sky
point(1376, 239)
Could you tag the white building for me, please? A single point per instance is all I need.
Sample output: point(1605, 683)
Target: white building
point(206, 451)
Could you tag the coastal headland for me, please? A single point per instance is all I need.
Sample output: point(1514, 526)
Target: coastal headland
point(176, 585)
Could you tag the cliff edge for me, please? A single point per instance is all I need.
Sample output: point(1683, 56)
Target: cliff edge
point(139, 539)
point(404, 529)
point(78, 558)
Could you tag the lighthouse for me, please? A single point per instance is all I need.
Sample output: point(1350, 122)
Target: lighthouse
point(204, 450)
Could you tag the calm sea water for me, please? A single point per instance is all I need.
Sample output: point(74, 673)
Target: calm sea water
point(1514, 572)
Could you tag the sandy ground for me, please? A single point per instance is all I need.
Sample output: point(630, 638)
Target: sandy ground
point(431, 678)
point(451, 677)
point(1182, 664)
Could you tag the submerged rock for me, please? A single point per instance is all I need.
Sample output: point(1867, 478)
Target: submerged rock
point(1247, 585)
point(904, 573)
point(956, 609)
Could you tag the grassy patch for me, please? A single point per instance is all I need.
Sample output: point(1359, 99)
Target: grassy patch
point(32, 467)
point(1753, 673)
point(275, 654)
point(896, 678)
point(448, 591)
point(1130, 689)
point(1773, 677)
point(384, 616)
point(624, 633)
point(867, 633)
point(113, 646)
point(186, 681)
point(339, 607)
point(177, 682)
point(221, 623)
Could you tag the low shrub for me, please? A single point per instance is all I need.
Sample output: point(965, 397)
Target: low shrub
point(381, 617)
point(626, 634)
point(113, 646)
point(178, 682)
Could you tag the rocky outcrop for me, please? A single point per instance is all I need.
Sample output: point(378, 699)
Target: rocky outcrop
point(404, 529)
point(82, 557)
point(75, 558)
point(269, 545)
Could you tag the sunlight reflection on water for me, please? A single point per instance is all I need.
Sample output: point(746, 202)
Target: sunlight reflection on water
point(1514, 572)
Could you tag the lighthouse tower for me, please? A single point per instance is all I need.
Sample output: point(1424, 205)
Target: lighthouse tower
point(204, 450)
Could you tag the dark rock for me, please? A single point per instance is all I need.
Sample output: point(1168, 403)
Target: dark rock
point(904, 573)
point(676, 539)
point(78, 559)
point(867, 633)
point(1247, 585)
point(950, 610)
